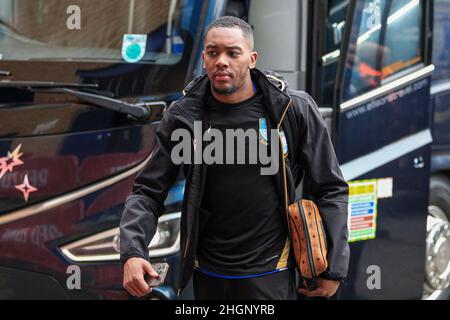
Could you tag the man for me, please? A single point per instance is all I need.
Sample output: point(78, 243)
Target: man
point(234, 236)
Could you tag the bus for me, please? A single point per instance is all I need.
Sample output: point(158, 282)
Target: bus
point(83, 87)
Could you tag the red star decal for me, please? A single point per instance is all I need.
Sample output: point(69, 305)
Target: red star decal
point(26, 188)
point(9, 162)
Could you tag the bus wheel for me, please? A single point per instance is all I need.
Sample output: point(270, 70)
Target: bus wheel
point(437, 261)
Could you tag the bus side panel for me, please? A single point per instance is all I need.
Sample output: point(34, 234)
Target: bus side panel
point(391, 266)
point(383, 143)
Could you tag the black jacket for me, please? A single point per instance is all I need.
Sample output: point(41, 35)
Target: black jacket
point(310, 158)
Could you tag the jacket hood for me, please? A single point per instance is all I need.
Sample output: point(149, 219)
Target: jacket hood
point(271, 85)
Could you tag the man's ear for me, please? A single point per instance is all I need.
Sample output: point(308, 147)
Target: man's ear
point(203, 58)
point(253, 59)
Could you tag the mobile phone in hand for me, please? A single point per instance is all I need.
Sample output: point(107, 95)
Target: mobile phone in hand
point(161, 269)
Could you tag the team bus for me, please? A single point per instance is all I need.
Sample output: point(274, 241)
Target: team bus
point(84, 84)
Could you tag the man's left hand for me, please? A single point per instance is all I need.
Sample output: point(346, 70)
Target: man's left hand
point(325, 288)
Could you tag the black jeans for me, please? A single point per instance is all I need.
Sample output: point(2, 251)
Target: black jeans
point(277, 286)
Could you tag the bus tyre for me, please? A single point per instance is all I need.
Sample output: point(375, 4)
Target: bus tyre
point(437, 260)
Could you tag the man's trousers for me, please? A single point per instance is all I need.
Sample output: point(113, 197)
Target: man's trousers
point(276, 286)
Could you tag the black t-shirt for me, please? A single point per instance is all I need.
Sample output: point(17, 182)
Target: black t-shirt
point(241, 228)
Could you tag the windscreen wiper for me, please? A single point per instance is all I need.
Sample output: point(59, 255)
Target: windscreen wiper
point(44, 84)
point(140, 111)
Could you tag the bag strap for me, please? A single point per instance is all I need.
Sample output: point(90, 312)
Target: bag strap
point(283, 164)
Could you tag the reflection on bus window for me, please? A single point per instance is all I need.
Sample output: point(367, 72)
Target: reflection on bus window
point(387, 40)
point(403, 37)
point(336, 12)
point(335, 22)
point(38, 30)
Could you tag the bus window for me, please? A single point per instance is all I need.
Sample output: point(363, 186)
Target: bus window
point(441, 40)
point(48, 30)
point(388, 41)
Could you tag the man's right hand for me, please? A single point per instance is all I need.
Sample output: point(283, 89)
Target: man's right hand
point(133, 276)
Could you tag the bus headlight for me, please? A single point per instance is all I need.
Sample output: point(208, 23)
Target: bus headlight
point(105, 246)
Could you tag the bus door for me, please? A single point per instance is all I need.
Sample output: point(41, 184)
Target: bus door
point(375, 73)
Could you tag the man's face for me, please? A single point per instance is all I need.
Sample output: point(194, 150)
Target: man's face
point(228, 56)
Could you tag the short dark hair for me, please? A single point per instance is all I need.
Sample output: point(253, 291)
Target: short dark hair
point(232, 22)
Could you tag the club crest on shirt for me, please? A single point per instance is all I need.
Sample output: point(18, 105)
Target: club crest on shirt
point(263, 131)
point(284, 143)
point(265, 139)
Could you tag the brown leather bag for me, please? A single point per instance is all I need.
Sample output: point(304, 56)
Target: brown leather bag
point(308, 238)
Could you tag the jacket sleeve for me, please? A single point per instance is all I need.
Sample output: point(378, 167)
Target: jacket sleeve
point(324, 184)
point(145, 204)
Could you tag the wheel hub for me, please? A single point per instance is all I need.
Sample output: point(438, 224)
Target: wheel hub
point(437, 264)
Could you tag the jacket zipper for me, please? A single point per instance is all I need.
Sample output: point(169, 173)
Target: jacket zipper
point(186, 122)
point(186, 247)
